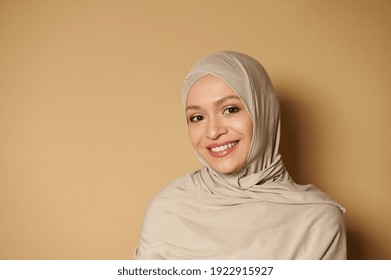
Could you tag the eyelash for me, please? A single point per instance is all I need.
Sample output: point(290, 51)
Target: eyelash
point(193, 118)
point(198, 117)
point(235, 108)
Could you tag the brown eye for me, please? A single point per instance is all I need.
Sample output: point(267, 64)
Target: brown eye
point(196, 118)
point(231, 110)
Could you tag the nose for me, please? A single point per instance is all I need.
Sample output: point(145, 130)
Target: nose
point(215, 128)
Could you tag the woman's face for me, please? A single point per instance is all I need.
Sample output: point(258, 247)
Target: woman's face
point(220, 128)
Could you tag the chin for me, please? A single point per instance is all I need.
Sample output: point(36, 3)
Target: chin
point(226, 166)
point(225, 169)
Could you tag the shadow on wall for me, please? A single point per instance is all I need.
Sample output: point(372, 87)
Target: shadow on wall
point(362, 247)
point(292, 145)
point(291, 131)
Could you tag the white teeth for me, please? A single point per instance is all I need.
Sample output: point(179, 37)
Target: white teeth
point(224, 147)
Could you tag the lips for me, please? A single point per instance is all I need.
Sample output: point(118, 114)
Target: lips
point(222, 149)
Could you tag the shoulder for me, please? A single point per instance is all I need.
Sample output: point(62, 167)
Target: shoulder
point(327, 218)
point(179, 185)
point(172, 193)
point(329, 231)
point(327, 212)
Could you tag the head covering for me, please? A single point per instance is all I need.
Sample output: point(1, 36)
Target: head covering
point(258, 212)
point(264, 168)
point(251, 83)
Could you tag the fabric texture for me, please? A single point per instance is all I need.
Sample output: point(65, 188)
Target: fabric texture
point(256, 213)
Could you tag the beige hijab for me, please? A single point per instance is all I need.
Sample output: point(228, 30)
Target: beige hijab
point(256, 213)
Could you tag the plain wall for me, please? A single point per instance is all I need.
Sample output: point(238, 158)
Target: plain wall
point(91, 125)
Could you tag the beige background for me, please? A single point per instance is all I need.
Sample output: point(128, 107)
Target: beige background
point(91, 125)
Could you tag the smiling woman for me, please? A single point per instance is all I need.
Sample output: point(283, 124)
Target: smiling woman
point(242, 204)
point(220, 128)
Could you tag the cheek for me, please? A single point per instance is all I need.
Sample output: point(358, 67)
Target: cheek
point(194, 135)
point(244, 127)
point(249, 127)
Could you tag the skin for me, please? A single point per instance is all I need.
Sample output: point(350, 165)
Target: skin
point(217, 117)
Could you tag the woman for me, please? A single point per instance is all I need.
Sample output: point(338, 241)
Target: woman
point(242, 204)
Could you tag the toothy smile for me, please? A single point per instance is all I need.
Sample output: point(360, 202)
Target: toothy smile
point(223, 147)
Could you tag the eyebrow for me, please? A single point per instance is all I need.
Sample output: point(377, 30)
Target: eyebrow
point(218, 102)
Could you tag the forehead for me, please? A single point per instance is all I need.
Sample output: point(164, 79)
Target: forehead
point(208, 89)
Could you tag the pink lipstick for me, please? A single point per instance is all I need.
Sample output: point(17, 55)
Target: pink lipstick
point(222, 149)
